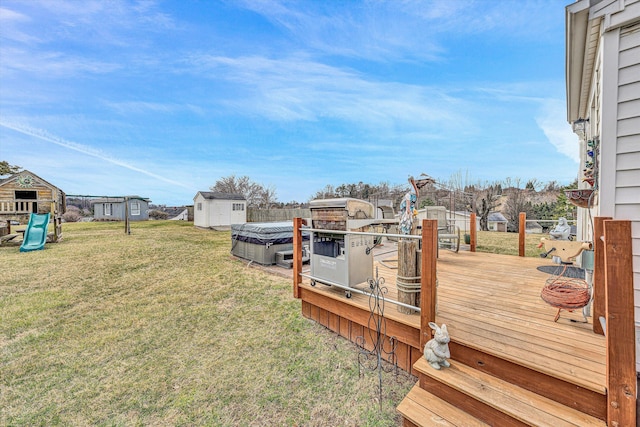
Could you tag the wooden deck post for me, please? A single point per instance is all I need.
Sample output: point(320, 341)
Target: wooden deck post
point(297, 256)
point(522, 226)
point(428, 280)
point(473, 232)
point(621, 356)
point(598, 292)
point(407, 271)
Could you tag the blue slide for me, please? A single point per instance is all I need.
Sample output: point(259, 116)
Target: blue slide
point(36, 233)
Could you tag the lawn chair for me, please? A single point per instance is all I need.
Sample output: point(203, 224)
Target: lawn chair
point(448, 234)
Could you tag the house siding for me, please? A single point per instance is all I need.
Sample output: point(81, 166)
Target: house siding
point(118, 210)
point(217, 212)
point(604, 86)
point(627, 176)
point(200, 212)
point(627, 199)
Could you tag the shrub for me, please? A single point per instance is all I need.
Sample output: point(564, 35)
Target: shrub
point(156, 214)
point(72, 214)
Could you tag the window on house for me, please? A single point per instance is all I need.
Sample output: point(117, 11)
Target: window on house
point(135, 208)
point(238, 207)
point(108, 209)
point(199, 206)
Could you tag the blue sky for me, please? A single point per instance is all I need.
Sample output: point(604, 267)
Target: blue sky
point(163, 98)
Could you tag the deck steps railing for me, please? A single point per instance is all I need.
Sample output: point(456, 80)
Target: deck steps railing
point(487, 398)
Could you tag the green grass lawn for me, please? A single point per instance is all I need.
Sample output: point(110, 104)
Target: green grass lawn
point(163, 327)
point(507, 243)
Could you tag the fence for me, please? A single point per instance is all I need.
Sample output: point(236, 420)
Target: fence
point(271, 215)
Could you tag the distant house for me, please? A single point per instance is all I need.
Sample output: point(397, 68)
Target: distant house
point(24, 193)
point(212, 209)
point(178, 213)
point(497, 222)
point(115, 208)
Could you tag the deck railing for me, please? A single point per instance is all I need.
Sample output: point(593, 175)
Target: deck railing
point(23, 206)
point(297, 264)
point(428, 297)
point(17, 206)
point(618, 325)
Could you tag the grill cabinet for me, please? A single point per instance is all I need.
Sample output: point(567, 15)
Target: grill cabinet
point(341, 259)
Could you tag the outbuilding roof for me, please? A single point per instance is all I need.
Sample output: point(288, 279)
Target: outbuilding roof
point(28, 174)
point(496, 217)
point(210, 195)
point(119, 199)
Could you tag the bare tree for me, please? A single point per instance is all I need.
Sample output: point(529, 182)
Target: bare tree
point(255, 194)
point(328, 192)
point(552, 186)
point(485, 200)
point(533, 184)
point(268, 197)
point(517, 202)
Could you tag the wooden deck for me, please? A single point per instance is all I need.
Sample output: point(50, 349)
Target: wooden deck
point(497, 321)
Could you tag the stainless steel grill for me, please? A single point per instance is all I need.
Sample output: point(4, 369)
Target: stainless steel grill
point(336, 258)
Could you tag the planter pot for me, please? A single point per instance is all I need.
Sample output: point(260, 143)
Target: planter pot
point(580, 198)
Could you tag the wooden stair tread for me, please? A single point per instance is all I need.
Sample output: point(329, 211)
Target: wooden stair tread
point(518, 403)
point(571, 368)
point(425, 409)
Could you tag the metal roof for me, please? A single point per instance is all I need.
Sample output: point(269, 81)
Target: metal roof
point(222, 196)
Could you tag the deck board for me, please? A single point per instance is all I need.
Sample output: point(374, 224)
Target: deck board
point(492, 302)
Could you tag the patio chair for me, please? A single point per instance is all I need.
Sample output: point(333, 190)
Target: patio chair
point(448, 234)
point(449, 237)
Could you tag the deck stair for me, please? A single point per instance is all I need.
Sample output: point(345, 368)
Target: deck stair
point(464, 396)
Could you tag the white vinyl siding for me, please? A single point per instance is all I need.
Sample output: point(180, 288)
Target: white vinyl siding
point(218, 212)
point(627, 177)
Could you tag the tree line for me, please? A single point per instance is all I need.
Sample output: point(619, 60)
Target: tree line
point(540, 201)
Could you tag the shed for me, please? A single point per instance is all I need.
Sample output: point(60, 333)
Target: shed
point(213, 209)
point(116, 208)
point(497, 222)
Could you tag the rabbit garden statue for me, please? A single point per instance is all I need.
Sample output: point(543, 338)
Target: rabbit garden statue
point(436, 351)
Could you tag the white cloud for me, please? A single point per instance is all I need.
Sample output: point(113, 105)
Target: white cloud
point(84, 149)
point(552, 121)
point(297, 88)
point(401, 30)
